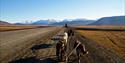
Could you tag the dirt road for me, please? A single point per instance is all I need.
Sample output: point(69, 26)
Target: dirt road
point(15, 44)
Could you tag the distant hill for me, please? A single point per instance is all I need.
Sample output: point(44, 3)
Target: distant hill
point(43, 22)
point(74, 22)
point(19, 24)
point(4, 23)
point(115, 20)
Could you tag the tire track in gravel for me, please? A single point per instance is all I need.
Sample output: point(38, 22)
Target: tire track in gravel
point(16, 44)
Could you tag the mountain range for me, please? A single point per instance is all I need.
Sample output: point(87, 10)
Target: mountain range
point(4, 23)
point(43, 22)
point(114, 20)
point(74, 22)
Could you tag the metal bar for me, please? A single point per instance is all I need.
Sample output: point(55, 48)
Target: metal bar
point(67, 56)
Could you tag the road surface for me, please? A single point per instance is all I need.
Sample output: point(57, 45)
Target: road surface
point(15, 44)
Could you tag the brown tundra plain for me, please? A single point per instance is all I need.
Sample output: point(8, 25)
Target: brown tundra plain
point(106, 43)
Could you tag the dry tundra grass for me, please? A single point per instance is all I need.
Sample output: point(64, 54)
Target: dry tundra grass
point(18, 27)
point(111, 40)
point(103, 27)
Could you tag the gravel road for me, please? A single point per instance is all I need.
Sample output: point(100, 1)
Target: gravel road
point(12, 42)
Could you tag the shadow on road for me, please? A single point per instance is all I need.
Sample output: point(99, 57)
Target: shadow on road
point(26, 60)
point(49, 60)
point(41, 46)
point(34, 60)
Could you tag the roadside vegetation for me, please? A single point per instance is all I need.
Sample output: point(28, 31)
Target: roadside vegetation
point(111, 40)
point(18, 27)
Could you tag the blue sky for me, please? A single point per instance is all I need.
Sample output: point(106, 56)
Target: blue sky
point(27, 10)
